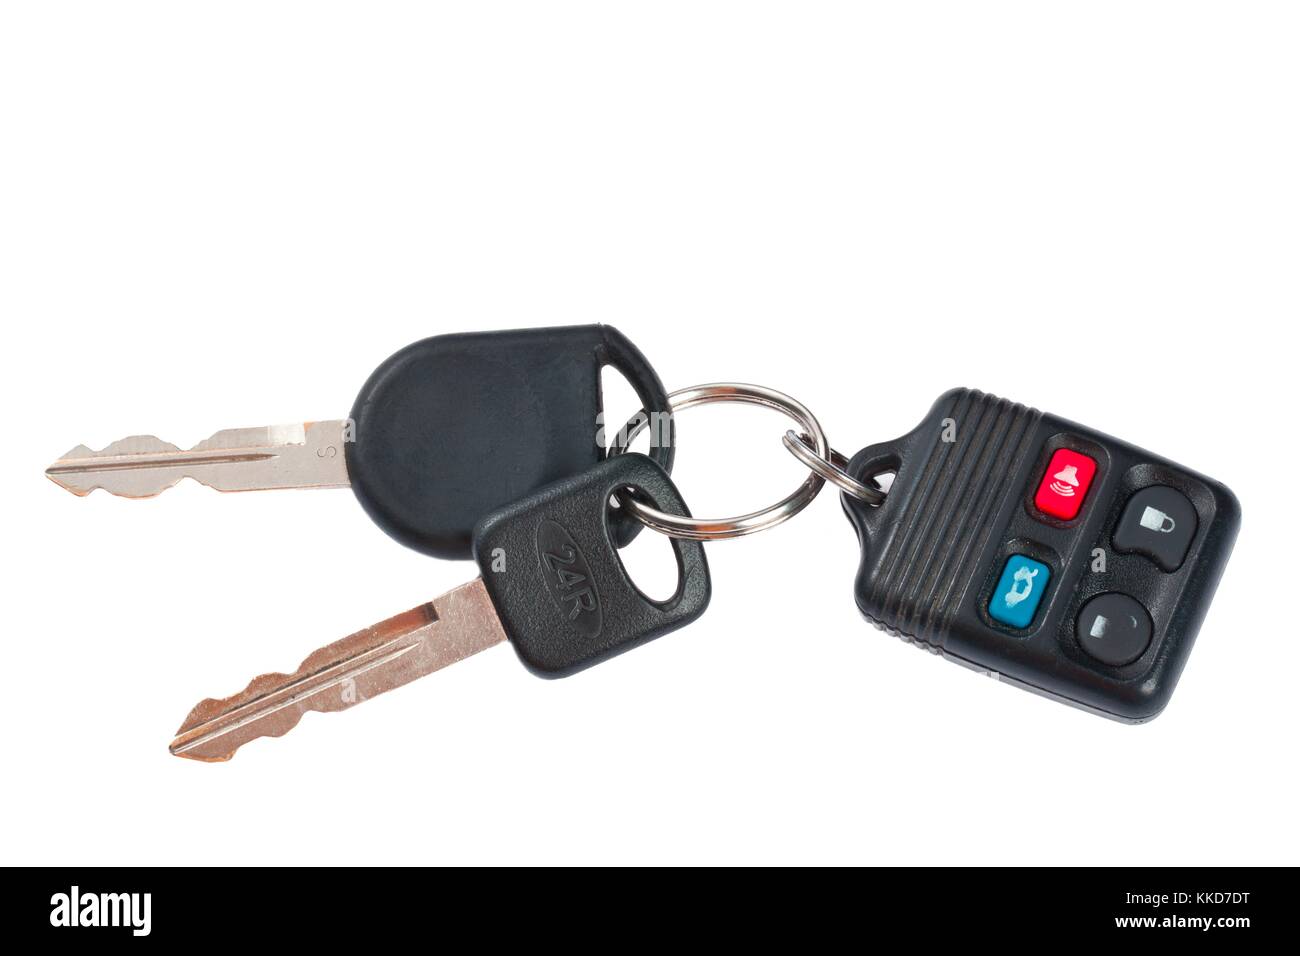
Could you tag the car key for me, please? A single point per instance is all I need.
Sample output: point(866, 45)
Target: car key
point(552, 584)
point(1043, 552)
point(443, 432)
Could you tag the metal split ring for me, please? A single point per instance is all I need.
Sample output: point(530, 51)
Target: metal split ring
point(831, 467)
point(708, 529)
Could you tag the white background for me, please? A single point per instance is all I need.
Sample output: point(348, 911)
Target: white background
point(227, 215)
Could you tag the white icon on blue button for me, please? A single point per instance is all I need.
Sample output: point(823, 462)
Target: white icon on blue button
point(1019, 590)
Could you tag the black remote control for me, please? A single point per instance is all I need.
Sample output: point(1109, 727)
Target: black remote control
point(1058, 558)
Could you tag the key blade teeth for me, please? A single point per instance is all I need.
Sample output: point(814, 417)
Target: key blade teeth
point(211, 709)
point(81, 485)
point(212, 727)
point(272, 704)
point(362, 665)
point(82, 470)
point(131, 445)
point(193, 743)
point(305, 455)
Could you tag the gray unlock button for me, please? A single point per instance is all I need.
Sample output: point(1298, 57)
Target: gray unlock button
point(1158, 522)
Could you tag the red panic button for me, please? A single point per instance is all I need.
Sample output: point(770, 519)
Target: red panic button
point(1064, 484)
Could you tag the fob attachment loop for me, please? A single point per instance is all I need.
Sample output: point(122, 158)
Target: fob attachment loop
point(832, 468)
point(709, 529)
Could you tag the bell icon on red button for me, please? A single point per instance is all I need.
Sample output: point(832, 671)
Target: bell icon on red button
point(1065, 483)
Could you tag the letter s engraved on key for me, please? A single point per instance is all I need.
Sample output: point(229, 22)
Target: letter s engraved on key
point(568, 578)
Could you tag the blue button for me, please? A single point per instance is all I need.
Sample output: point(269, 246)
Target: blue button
point(1019, 590)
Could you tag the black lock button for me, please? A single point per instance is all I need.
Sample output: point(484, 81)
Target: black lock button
point(1160, 523)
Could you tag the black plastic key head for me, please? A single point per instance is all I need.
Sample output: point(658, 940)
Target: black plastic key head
point(551, 566)
point(453, 427)
point(1055, 556)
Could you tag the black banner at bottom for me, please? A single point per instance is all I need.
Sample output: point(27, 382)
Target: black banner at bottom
point(131, 907)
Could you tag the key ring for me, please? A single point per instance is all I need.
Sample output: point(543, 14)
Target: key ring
point(709, 529)
point(831, 468)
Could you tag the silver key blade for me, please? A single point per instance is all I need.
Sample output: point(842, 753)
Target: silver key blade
point(391, 653)
point(309, 455)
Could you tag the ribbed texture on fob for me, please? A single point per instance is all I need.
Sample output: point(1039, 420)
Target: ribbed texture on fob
point(953, 500)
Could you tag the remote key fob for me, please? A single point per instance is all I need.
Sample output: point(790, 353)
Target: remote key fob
point(1048, 554)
